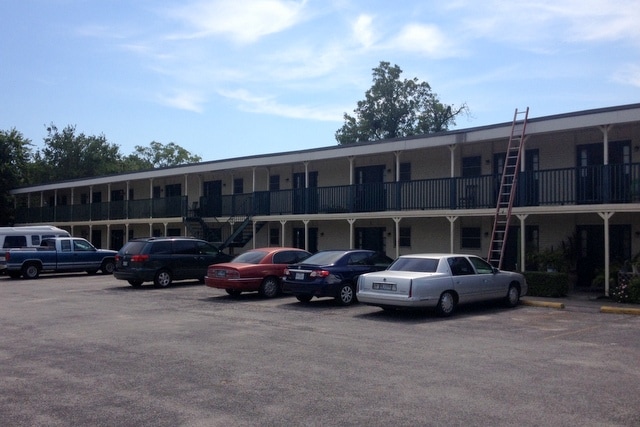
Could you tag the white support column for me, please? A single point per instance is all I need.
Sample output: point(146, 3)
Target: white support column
point(605, 216)
point(397, 219)
point(605, 142)
point(150, 229)
point(108, 236)
point(452, 220)
point(397, 155)
point(253, 224)
point(306, 174)
point(253, 178)
point(351, 232)
point(523, 236)
point(165, 229)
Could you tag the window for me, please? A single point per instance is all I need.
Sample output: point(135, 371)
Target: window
point(65, 245)
point(238, 186)
point(404, 238)
point(471, 166)
point(81, 245)
point(471, 238)
point(274, 182)
point(15, 241)
point(405, 172)
point(460, 266)
point(274, 236)
point(482, 267)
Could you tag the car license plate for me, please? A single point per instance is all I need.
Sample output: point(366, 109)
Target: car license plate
point(125, 263)
point(299, 276)
point(384, 286)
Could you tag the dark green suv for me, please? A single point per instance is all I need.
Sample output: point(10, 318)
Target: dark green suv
point(162, 260)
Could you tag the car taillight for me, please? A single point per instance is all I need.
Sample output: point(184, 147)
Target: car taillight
point(139, 258)
point(6, 256)
point(319, 273)
point(117, 258)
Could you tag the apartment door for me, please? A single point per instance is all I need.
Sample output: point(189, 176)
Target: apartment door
point(298, 239)
point(528, 193)
point(591, 249)
point(620, 171)
point(117, 239)
point(589, 174)
point(211, 200)
point(305, 200)
point(371, 238)
point(369, 189)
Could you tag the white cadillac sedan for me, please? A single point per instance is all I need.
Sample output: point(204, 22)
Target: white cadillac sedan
point(441, 281)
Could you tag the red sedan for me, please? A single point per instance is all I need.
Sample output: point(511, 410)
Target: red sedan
point(255, 270)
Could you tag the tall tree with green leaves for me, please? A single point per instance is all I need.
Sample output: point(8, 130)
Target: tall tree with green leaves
point(15, 155)
point(158, 155)
point(395, 108)
point(68, 155)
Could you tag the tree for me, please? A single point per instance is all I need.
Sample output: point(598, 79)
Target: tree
point(158, 155)
point(69, 156)
point(15, 153)
point(395, 108)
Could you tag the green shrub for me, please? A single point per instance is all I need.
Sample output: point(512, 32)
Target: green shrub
point(627, 289)
point(547, 284)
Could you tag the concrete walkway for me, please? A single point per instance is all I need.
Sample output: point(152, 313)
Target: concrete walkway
point(587, 300)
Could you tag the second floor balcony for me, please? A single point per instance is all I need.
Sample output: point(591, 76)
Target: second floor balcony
point(568, 186)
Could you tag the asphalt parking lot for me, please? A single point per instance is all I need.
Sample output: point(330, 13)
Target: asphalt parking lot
point(91, 350)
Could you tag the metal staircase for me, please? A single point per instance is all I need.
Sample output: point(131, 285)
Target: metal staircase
point(240, 236)
point(507, 190)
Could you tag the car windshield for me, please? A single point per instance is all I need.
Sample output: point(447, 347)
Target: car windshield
point(251, 257)
point(324, 258)
point(422, 265)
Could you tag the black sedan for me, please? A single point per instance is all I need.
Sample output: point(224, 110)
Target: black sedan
point(332, 273)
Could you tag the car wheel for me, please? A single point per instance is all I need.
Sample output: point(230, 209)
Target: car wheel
point(270, 287)
point(162, 279)
point(233, 292)
point(31, 271)
point(346, 295)
point(446, 304)
point(304, 298)
point(513, 296)
point(108, 267)
point(135, 283)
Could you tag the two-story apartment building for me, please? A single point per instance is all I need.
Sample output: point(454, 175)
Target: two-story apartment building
point(578, 183)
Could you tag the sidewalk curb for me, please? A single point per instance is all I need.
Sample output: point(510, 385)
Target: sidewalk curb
point(620, 310)
point(548, 304)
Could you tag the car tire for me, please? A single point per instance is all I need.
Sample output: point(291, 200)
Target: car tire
point(135, 283)
point(233, 292)
point(31, 271)
point(163, 279)
point(513, 296)
point(346, 295)
point(108, 266)
point(304, 298)
point(446, 304)
point(270, 287)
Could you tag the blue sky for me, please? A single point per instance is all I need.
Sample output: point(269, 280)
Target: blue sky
point(231, 78)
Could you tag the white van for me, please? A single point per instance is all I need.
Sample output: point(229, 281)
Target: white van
point(25, 237)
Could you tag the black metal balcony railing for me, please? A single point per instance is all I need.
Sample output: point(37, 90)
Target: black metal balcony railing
point(569, 186)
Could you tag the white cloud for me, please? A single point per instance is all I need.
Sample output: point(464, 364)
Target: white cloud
point(244, 21)
point(268, 105)
point(424, 39)
point(363, 30)
point(628, 75)
point(183, 100)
